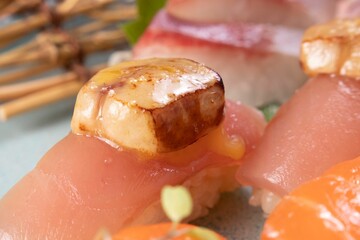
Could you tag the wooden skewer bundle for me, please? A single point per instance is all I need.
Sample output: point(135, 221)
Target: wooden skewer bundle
point(54, 47)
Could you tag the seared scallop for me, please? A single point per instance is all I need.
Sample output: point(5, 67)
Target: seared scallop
point(151, 105)
point(332, 48)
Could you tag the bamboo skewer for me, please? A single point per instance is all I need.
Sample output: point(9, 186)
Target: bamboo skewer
point(79, 7)
point(16, 6)
point(21, 89)
point(118, 13)
point(3, 5)
point(29, 57)
point(103, 40)
point(58, 49)
point(29, 24)
point(89, 27)
point(21, 49)
point(54, 49)
point(25, 73)
point(22, 27)
point(104, 19)
point(53, 89)
point(38, 99)
point(6, 42)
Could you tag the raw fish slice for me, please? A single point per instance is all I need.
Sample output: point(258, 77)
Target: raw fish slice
point(347, 9)
point(298, 13)
point(325, 208)
point(83, 184)
point(317, 128)
point(258, 63)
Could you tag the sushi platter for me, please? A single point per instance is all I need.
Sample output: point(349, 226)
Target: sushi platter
point(209, 125)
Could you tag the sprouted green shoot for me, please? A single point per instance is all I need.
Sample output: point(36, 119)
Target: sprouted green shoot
point(177, 204)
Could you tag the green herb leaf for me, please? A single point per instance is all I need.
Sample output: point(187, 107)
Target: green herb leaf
point(176, 202)
point(146, 11)
point(202, 234)
point(270, 110)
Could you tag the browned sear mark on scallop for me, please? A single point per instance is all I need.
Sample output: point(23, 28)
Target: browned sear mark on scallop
point(152, 105)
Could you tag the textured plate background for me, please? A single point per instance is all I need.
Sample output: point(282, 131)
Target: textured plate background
point(24, 139)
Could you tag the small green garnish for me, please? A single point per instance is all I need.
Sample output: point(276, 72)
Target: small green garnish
point(202, 234)
point(176, 202)
point(146, 11)
point(269, 110)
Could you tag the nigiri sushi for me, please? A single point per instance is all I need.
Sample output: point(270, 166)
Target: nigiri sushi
point(294, 13)
point(131, 135)
point(320, 125)
point(325, 208)
point(257, 62)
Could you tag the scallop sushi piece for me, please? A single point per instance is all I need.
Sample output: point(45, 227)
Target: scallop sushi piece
point(320, 125)
point(136, 127)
